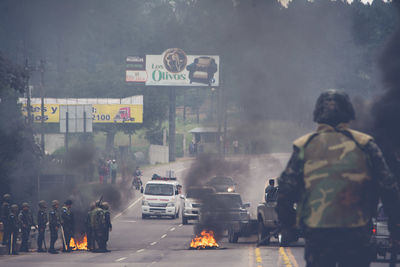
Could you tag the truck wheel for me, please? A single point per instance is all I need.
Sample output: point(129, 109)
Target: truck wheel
point(262, 233)
point(283, 239)
point(232, 236)
point(184, 220)
point(235, 237)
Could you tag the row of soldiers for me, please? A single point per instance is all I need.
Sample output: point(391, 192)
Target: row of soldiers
point(14, 222)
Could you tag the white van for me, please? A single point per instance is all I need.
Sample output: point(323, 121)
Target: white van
point(161, 198)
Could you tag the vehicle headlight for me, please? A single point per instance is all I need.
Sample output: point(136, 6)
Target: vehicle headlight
point(145, 203)
point(171, 204)
point(231, 189)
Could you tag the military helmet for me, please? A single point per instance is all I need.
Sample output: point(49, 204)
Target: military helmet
point(14, 208)
point(105, 206)
point(68, 202)
point(54, 203)
point(343, 112)
point(6, 197)
point(42, 204)
point(25, 205)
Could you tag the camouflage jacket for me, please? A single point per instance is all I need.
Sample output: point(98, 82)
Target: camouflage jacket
point(67, 219)
point(5, 211)
point(13, 223)
point(323, 193)
point(42, 219)
point(26, 219)
point(54, 219)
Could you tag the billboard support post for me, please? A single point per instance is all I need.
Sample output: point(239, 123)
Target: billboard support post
point(171, 123)
point(66, 131)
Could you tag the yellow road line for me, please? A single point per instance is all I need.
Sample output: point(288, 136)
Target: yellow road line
point(291, 257)
point(285, 257)
point(258, 257)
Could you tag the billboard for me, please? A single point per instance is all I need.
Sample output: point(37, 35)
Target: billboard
point(51, 112)
point(129, 112)
point(173, 68)
point(117, 113)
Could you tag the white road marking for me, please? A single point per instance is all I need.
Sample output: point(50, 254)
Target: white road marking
point(121, 259)
point(164, 235)
point(140, 250)
point(152, 244)
point(180, 225)
point(130, 206)
point(128, 221)
point(172, 229)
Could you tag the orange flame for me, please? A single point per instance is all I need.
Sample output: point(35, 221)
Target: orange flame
point(78, 244)
point(204, 240)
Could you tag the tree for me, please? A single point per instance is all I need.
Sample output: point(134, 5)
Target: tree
point(19, 154)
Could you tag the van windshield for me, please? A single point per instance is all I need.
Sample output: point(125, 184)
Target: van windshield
point(159, 189)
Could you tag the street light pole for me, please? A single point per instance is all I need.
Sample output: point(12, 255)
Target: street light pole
point(42, 62)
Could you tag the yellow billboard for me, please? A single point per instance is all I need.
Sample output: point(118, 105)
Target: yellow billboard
point(117, 113)
point(51, 112)
point(101, 113)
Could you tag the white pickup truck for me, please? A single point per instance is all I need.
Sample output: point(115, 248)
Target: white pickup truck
point(161, 197)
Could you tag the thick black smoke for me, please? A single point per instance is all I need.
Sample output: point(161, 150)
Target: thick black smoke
point(387, 109)
point(202, 170)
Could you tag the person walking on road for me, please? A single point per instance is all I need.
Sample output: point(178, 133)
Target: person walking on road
point(26, 219)
point(113, 170)
point(54, 225)
point(42, 220)
point(336, 176)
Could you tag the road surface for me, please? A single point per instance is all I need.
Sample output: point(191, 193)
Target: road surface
point(165, 242)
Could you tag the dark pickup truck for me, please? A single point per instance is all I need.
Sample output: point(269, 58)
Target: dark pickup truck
point(227, 212)
point(268, 225)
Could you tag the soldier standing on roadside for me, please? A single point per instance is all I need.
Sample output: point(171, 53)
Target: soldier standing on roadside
point(336, 176)
point(42, 220)
point(89, 228)
point(67, 222)
point(13, 228)
point(108, 225)
point(26, 219)
point(54, 224)
point(4, 212)
point(97, 222)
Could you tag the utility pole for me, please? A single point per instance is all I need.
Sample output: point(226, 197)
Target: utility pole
point(28, 93)
point(171, 124)
point(41, 67)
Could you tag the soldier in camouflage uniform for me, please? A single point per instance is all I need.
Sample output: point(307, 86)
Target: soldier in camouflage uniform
point(108, 226)
point(67, 222)
point(4, 212)
point(336, 176)
point(89, 229)
point(54, 224)
point(13, 228)
point(42, 220)
point(97, 223)
point(26, 219)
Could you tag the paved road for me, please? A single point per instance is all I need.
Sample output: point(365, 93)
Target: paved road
point(165, 242)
